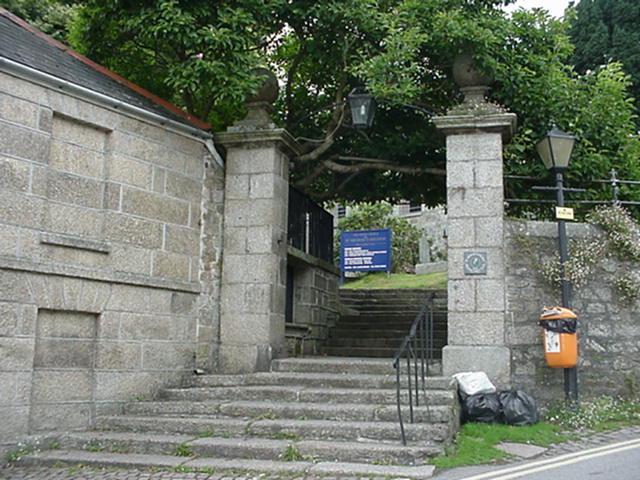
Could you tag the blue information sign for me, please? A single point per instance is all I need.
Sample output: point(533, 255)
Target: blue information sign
point(365, 251)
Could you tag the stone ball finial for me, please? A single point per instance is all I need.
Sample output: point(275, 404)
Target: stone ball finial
point(466, 72)
point(269, 89)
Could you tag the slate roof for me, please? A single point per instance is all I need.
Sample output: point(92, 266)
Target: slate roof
point(22, 43)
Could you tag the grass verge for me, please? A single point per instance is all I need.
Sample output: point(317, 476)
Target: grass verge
point(476, 442)
point(382, 281)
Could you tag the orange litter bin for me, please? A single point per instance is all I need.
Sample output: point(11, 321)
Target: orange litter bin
point(559, 337)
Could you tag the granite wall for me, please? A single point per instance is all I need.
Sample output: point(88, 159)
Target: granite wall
point(101, 224)
point(609, 329)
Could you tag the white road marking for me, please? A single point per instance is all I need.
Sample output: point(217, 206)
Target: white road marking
point(567, 459)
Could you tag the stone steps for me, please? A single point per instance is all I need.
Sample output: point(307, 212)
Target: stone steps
point(313, 379)
point(303, 394)
point(379, 320)
point(330, 416)
point(233, 466)
point(253, 448)
point(308, 429)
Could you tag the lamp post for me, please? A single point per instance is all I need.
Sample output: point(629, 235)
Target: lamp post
point(555, 150)
point(363, 108)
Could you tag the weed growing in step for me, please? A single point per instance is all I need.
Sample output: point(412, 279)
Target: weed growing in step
point(604, 413)
point(54, 445)
point(118, 448)
point(21, 450)
point(93, 446)
point(184, 450)
point(292, 454)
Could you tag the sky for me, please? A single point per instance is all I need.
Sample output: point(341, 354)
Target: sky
point(555, 7)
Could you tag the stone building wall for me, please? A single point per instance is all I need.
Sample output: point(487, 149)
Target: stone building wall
point(315, 302)
point(100, 265)
point(609, 329)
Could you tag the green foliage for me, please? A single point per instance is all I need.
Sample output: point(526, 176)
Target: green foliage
point(475, 443)
point(292, 454)
point(600, 414)
point(623, 232)
point(436, 280)
point(184, 450)
point(606, 29)
point(53, 17)
point(404, 238)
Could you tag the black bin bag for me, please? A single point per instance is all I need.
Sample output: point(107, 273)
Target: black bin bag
point(481, 407)
point(518, 408)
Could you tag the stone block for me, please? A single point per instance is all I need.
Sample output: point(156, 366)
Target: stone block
point(18, 87)
point(79, 133)
point(183, 303)
point(182, 240)
point(63, 324)
point(75, 159)
point(235, 240)
point(130, 298)
point(131, 230)
point(8, 388)
point(45, 120)
point(14, 174)
point(152, 327)
point(67, 188)
point(168, 356)
point(14, 287)
point(119, 356)
point(232, 298)
point(20, 142)
point(472, 202)
point(112, 196)
point(8, 319)
point(182, 187)
point(245, 328)
point(263, 185)
point(234, 359)
point(55, 386)
point(10, 240)
point(460, 232)
point(52, 417)
point(477, 328)
point(19, 209)
point(461, 295)
point(489, 173)
point(171, 265)
point(63, 353)
point(495, 361)
point(159, 179)
point(237, 187)
point(474, 146)
point(16, 353)
point(109, 325)
point(125, 386)
point(260, 239)
point(241, 161)
point(123, 169)
point(75, 221)
point(15, 422)
point(489, 231)
point(257, 298)
point(124, 258)
point(490, 295)
point(257, 268)
point(154, 207)
point(194, 164)
point(18, 111)
point(461, 175)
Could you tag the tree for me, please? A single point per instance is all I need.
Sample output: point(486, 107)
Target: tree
point(200, 54)
point(604, 31)
point(51, 16)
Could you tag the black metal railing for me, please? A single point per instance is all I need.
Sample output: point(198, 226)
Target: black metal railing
point(310, 226)
point(418, 349)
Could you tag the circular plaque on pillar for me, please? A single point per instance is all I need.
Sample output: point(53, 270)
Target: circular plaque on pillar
point(475, 263)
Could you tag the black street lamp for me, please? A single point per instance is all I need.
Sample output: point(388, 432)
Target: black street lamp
point(363, 108)
point(555, 150)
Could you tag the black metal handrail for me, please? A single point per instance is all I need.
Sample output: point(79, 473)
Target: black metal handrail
point(417, 347)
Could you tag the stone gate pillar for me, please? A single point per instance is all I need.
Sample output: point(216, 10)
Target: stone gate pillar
point(253, 286)
point(475, 131)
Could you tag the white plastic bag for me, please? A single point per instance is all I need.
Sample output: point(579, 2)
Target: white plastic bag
point(472, 383)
